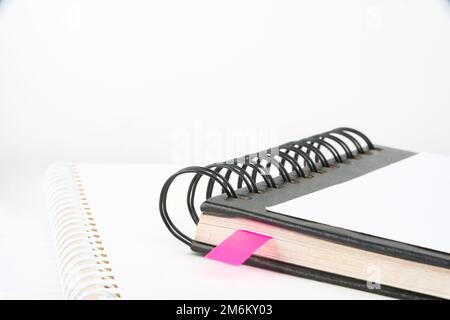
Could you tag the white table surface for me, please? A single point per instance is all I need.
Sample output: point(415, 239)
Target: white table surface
point(27, 255)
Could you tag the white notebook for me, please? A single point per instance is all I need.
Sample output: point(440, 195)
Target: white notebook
point(112, 243)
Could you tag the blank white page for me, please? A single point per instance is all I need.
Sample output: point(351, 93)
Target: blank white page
point(149, 263)
point(407, 201)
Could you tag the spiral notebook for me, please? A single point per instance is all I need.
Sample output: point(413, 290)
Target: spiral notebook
point(112, 244)
point(337, 209)
point(111, 241)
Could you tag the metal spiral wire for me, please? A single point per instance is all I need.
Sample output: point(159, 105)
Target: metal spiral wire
point(303, 156)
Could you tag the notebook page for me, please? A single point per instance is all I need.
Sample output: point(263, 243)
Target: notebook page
point(149, 263)
point(408, 201)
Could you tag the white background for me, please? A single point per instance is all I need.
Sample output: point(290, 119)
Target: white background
point(132, 81)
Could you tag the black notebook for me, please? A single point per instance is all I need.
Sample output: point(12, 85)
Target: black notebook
point(338, 208)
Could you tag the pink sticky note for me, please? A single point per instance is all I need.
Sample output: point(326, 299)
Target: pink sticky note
point(238, 247)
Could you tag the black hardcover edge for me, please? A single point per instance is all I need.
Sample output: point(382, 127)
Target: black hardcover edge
point(312, 274)
point(350, 238)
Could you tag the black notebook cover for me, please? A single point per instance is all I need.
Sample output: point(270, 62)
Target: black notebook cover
point(253, 205)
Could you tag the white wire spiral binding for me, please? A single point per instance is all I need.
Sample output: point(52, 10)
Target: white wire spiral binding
point(82, 261)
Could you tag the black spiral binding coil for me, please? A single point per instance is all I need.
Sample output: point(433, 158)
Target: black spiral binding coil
point(304, 156)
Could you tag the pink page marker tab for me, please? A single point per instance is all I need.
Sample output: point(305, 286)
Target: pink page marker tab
point(238, 247)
